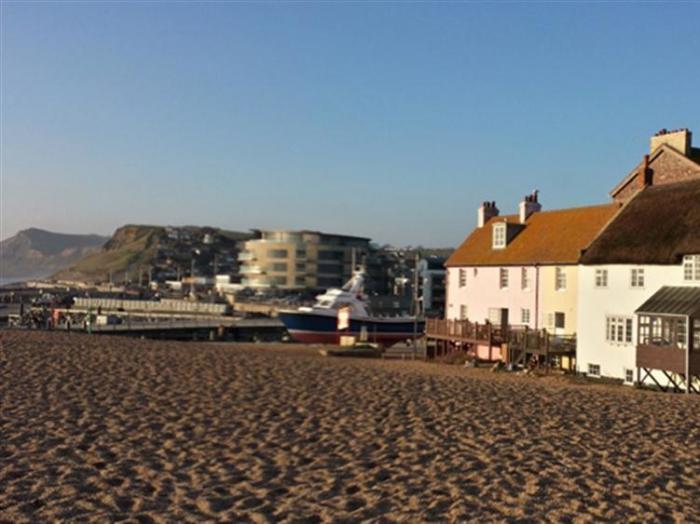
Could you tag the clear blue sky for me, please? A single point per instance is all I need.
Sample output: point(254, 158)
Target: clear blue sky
point(381, 119)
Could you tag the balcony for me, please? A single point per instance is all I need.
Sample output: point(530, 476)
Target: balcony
point(666, 357)
point(251, 270)
point(244, 256)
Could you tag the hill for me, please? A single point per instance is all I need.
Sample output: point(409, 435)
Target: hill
point(164, 252)
point(36, 253)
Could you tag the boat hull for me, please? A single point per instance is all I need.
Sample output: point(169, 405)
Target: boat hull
point(315, 328)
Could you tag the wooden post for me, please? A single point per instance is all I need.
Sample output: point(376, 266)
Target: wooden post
point(688, 347)
point(524, 348)
point(490, 332)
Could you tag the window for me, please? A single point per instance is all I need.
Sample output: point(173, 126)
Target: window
point(463, 312)
point(618, 329)
point(331, 269)
point(331, 255)
point(329, 282)
point(300, 281)
point(462, 277)
point(499, 235)
point(559, 279)
point(666, 331)
point(637, 278)
point(277, 253)
point(524, 279)
point(601, 278)
point(594, 370)
point(503, 278)
point(301, 266)
point(278, 281)
point(279, 266)
point(524, 316)
point(629, 376)
point(691, 267)
point(301, 253)
point(559, 320)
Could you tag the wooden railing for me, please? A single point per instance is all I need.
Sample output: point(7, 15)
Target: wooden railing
point(462, 330)
point(519, 342)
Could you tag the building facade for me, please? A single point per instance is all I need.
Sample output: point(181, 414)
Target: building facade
point(432, 276)
point(300, 259)
point(650, 249)
point(521, 270)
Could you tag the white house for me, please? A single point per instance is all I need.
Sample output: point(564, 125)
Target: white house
point(522, 269)
point(633, 313)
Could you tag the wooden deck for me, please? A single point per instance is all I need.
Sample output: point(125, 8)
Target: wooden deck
point(513, 345)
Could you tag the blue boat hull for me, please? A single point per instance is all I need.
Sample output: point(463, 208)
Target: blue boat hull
point(312, 328)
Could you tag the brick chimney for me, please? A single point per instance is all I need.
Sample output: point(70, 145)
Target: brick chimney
point(678, 139)
point(528, 206)
point(486, 212)
point(645, 173)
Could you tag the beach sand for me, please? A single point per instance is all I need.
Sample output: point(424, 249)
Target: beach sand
point(108, 429)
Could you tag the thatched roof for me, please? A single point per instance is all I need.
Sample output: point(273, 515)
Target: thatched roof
point(658, 226)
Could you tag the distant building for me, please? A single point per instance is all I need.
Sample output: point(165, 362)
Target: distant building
point(300, 259)
point(431, 277)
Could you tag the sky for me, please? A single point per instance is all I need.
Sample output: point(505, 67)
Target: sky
point(388, 120)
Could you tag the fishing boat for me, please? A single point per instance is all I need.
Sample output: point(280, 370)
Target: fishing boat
point(344, 312)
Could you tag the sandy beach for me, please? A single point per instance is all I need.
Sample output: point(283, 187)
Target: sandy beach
point(109, 429)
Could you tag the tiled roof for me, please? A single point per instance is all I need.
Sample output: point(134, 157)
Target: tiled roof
point(549, 237)
point(657, 226)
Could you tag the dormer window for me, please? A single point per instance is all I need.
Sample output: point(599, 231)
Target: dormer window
point(691, 267)
point(499, 235)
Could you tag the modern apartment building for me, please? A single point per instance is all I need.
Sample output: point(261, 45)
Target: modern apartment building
point(300, 259)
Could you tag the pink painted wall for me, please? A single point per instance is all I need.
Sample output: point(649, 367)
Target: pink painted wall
point(483, 291)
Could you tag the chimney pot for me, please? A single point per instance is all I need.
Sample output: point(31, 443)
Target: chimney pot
point(486, 212)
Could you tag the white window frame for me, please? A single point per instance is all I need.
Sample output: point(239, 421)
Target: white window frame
point(559, 278)
point(499, 236)
point(601, 278)
point(525, 316)
point(462, 277)
point(691, 268)
point(524, 279)
point(637, 278)
point(619, 330)
point(503, 278)
point(627, 371)
point(463, 314)
point(593, 370)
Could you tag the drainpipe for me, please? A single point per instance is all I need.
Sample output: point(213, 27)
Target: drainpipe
point(688, 348)
point(537, 296)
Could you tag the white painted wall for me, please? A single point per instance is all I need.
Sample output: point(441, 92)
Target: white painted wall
point(483, 292)
point(618, 299)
